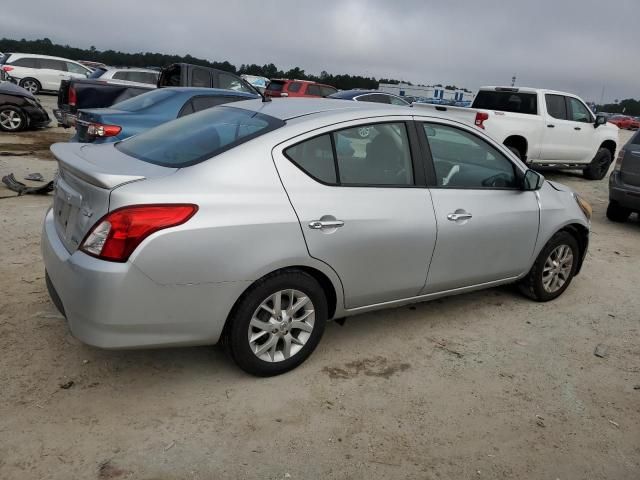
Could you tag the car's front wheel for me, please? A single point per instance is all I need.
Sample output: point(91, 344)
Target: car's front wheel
point(277, 324)
point(12, 119)
point(553, 270)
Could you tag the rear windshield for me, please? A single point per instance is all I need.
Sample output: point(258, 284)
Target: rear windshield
point(198, 137)
point(515, 102)
point(275, 86)
point(146, 100)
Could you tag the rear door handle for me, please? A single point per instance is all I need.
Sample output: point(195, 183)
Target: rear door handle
point(551, 126)
point(454, 217)
point(322, 224)
point(577, 128)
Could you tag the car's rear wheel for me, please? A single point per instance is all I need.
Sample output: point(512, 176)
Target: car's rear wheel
point(277, 324)
point(31, 85)
point(616, 213)
point(599, 166)
point(12, 119)
point(553, 270)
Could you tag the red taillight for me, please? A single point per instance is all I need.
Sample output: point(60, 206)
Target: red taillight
point(618, 164)
point(480, 119)
point(100, 130)
point(119, 233)
point(72, 97)
point(7, 68)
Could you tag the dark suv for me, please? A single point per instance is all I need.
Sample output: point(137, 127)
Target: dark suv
point(298, 88)
point(624, 182)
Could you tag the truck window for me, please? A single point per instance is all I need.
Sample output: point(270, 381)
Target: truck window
point(556, 106)
point(579, 113)
point(200, 78)
point(515, 102)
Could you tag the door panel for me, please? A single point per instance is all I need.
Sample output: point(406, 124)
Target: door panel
point(494, 244)
point(384, 237)
point(565, 140)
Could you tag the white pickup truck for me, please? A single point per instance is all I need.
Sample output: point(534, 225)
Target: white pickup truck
point(544, 128)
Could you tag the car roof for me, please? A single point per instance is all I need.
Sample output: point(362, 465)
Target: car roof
point(129, 69)
point(34, 55)
point(290, 108)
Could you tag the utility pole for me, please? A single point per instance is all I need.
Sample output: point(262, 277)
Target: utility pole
point(513, 81)
point(602, 96)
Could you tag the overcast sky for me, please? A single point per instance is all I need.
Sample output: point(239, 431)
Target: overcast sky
point(576, 45)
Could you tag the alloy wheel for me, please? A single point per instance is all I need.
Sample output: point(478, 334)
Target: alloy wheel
point(10, 119)
point(281, 325)
point(557, 268)
point(31, 86)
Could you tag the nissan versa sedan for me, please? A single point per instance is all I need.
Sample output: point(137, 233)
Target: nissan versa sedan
point(245, 222)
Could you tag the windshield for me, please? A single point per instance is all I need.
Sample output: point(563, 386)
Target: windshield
point(198, 137)
point(146, 100)
point(516, 102)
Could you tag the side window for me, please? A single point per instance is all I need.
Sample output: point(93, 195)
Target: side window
point(26, 62)
point(200, 78)
point(579, 113)
point(556, 106)
point(202, 103)
point(294, 87)
point(53, 64)
point(376, 154)
point(121, 76)
point(374, 98)
point(367, 155)
point(73, 68)
point(397, 101)
point(231, 82)
point(314, 90)
point(187, 109)
point(326, 91)
point(315, 158)
point(462, 160)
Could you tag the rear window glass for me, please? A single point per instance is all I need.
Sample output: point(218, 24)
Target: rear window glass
point(275, 86)
point(514, 102)
point(145, 100)
point(198, 137)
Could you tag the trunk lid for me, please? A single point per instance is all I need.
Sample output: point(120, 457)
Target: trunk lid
point(87, 176)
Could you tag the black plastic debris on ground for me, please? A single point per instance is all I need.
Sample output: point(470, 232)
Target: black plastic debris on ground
point(19, 187)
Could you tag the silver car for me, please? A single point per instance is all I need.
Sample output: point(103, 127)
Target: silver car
point(257, 223)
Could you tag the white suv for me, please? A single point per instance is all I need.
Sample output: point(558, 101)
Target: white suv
point(42, 72)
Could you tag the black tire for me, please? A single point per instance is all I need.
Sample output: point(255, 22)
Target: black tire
point(599, 166)
point(238, 328)
point(515, 151)
point(616, 213)
point(532, 285)
point(12, 119)
point(31, 84)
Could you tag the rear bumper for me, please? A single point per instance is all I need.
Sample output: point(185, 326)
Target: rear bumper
point(116, 306)
point(627, 196)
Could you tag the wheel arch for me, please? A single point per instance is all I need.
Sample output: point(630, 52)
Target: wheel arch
point(518, 142)
point(581, 234)
point(609, 145)
point(331, 291)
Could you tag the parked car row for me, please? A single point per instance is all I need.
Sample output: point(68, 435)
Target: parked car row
point(625, 122)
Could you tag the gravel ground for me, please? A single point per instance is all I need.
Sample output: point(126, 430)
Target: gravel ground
point(483, 385)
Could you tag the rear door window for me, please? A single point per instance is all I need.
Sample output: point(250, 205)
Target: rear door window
point(374, 98)
point(195, 138)
point(231, 82)
point(515, 102)
point(74, 68)
point(202, 103)
point(294, 87)
point(556, 106)
point(25, 62)
point(200, 78)
point(313, 90)
point(326, 91)
point(53, 64)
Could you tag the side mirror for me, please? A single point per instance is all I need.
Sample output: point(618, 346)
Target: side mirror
point(532, 181)
point(600, 120)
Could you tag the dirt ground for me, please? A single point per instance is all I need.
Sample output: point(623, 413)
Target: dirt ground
point(484, 385)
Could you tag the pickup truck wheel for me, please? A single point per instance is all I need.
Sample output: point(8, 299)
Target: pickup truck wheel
point(553, 270)
point(599, 166)
point(31, 85)
point(616, 213)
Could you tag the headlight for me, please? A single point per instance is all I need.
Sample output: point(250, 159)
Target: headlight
point(584, 206)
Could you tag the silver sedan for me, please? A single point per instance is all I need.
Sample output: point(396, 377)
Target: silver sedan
point(259, 222)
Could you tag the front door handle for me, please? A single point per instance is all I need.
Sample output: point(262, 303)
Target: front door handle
point(322, 224)
point(577, 128)
point(551, 126)
point(454, 217)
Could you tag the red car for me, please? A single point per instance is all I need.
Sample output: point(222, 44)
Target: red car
point(298, 88)
point(621, 121)
point(635, 123)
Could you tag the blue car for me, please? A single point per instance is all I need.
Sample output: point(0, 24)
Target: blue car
point(140, 113)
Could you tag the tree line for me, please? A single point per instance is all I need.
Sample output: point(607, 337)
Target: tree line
point(628, 106)
point(45, 46)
